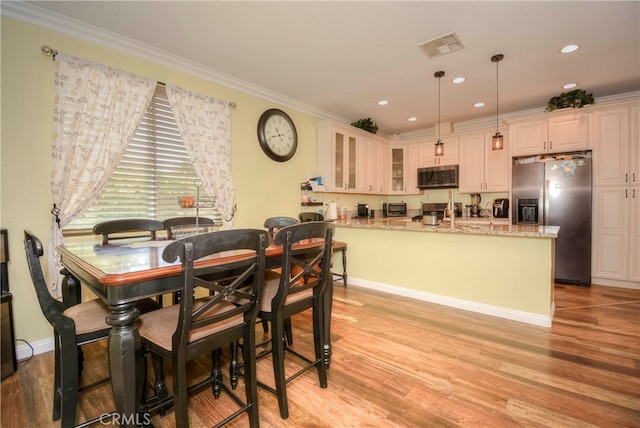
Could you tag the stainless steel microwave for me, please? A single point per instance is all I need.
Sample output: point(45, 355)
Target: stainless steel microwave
point(438, 177)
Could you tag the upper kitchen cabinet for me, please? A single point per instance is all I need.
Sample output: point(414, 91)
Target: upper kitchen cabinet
point(616, 137)
point(378, 167)
point(481, 168)
point(350, 160)
point(337, 150)
point(427, 157)
point(403, 168)
point(553, 133)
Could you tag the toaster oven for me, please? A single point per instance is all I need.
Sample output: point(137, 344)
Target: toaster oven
point(396, 209)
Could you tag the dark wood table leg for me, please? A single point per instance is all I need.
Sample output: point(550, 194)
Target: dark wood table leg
point(125, 361)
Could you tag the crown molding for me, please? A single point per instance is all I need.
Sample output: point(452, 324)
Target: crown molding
point(41, 17)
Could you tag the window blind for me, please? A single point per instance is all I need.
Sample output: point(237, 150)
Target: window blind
point(154, 172)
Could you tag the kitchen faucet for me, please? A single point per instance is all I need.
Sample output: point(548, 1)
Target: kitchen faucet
point(452, 210)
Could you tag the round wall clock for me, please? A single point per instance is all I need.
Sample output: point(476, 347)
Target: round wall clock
point(277, 135)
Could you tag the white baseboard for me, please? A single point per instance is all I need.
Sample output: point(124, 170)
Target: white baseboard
point(615, 283)
point(496, 311)
point(24, 351)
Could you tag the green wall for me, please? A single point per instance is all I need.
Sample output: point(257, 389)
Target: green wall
point(264, 188)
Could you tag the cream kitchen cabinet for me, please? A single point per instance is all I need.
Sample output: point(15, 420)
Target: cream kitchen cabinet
point(427, 157)
point(553, 133)
point(481, 168)
point(377, 167)
point(338, 157)
point(616, 196)
point(403, 169)
point(616, 236)
point(616, 139)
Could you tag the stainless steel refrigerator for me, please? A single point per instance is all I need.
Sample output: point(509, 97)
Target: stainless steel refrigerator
point(558, 193)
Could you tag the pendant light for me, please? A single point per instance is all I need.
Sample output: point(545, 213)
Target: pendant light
point(497, 142)
point(439, 147)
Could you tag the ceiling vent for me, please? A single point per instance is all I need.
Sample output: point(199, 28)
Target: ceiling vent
point(441, 45)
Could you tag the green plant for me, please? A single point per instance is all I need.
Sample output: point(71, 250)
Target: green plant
point(576, 99)
point(366, 124)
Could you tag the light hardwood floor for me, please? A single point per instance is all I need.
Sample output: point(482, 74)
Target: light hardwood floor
point(399, 362)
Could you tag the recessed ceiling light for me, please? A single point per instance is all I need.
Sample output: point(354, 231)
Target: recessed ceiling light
point(458, 80)
point(412, 119)
point(383, 102)
point(569, 86)
point(569, 48)
point(480, 104)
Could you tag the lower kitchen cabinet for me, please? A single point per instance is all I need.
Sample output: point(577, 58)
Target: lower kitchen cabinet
point(616, 237)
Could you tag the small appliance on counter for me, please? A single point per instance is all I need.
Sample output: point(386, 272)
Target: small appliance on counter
point(476, 211)
point(501, 208)
point(332, 212)
point(439, 209)
point(363, 211)
point(398, 209)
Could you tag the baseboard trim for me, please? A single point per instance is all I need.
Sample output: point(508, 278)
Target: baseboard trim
point(607, 282)
point(24, 352)
point(467, 305)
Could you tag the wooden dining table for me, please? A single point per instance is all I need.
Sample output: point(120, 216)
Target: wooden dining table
point(123, 273)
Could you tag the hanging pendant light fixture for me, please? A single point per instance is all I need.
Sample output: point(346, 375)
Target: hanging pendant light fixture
point(439, 147)
point(497, 142)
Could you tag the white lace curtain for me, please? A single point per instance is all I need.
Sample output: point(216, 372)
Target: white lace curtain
point(204, 125)
point(96, 111)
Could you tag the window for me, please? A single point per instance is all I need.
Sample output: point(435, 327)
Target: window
point(154, 172)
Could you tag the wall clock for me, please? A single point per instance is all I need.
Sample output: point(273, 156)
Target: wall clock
point(277, 135)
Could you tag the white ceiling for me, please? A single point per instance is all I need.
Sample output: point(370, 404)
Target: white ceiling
point(342, 57)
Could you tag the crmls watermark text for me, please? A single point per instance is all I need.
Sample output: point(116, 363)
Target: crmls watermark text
point(122, 419)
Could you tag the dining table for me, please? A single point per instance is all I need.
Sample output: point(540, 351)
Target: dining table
point(124, 272)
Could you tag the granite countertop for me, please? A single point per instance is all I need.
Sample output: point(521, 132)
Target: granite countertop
point(462, 226)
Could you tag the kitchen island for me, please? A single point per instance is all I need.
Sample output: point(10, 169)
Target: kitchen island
point(502, 270)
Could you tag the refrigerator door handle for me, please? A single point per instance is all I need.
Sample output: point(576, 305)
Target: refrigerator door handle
point(545, 199)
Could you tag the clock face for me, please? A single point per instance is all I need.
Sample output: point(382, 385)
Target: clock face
point(277, 135)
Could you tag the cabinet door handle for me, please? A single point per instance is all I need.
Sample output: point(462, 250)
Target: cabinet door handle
point(634, 176)
point(544, 145)
point(626, 193)
point(634, 193)
point(626, 177)
point(550, 145)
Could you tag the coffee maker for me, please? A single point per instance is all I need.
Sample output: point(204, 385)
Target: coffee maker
point(501, 208)
point(475, 204)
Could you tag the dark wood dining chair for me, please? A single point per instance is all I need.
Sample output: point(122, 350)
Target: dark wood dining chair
point(114, 229)
point(299, 286)
point(186, 221)
point(198, 326)
point(272, 224)
point(310, 216)
point(76, 326)
point(73, 327)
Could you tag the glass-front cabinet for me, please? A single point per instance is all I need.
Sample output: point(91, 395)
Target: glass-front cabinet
point(340, 158)
point(403, 167)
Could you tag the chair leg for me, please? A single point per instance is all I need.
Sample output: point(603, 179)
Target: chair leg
point(277, 353)
point(344, 266)
point(318, 343)
point(288, 331)
point(265, 326)
point(57, 379)
point(69, 380)
point(159, 385)
point(216, 373)
point(180, 398)
point(250, 379)
point(233, 366)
